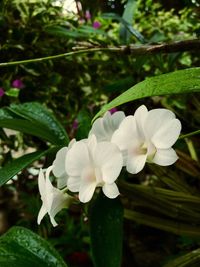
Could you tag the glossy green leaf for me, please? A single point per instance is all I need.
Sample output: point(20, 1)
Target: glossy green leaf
point(106, 223)
point(20, 247)
point(16, 165)
point(191, 259)
point(178, 82)
point(28, 127)
point(37, 113)
point(34, 119)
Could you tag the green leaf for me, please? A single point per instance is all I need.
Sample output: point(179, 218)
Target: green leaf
point(119, 85)
point(127, 25)
point(174, 205)
point(191, 259)
point(27, 127)
point(178, 82)
point(84, 124)
point(20, 247)
point(15, 166)
point(106, 223)
point(128, 14)
point(33, 118)
point(90, 30)
point(14, 92)
point(65, 33)
point(164, 224)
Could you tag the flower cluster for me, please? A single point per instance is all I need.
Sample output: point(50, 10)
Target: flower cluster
point(114, 141)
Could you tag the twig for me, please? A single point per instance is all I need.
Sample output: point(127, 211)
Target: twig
point(135, 50)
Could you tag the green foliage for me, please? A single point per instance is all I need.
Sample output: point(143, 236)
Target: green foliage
point(75, 89)
point(106, 224)
point(179, 82)
point(158, 25)
point(126, 25)
point(34, 119)
point(128, 14)
point(84, 124)
point(191, 259)
point(14, 167)
point(20, 247)
point(171, 211)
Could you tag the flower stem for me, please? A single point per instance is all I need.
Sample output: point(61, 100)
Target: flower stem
point(7, 64)
point(189, 134)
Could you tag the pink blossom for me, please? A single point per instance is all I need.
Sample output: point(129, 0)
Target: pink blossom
point(96, 25)
point(88, 15)
point(112, 110)
point(2, 92)
point(18, 84)
point(75, 124)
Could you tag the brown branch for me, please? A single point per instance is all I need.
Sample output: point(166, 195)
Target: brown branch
point(136, 50)
point(173, 47)
point(133, 49)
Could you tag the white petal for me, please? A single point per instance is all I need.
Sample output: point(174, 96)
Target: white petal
point(109, 159)
point(117, 118)
point(86, 191)
point(41, 183)
point(106, 127)
point(103, 128)
point(125, 134)
point(111, 190)
point(53, 199)
point(165, 157)
point(156, 119)
point(140, 117)
point(73, 183)
point(62, 181)
point(167, 135)
point(98, 129)
point(53, 222)
point(91, 143)
point(59, 202)
point(77, 159)
point(59, 162)
point(135, 163)
point(71, 143)
point(41, 213)
point(48, 185)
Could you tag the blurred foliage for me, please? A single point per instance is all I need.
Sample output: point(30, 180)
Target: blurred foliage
point(75, 88)
point(160, 25)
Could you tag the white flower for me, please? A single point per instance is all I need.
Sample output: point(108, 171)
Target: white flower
point(59, 165)
point(103, 128)
point(90, 164)
point(148, 136)
point(53, 199)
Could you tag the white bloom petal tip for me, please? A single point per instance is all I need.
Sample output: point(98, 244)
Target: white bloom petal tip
point(165, 157)
point(59, 165)
point(53, 199)
point(103, 128)
point(111, 190)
